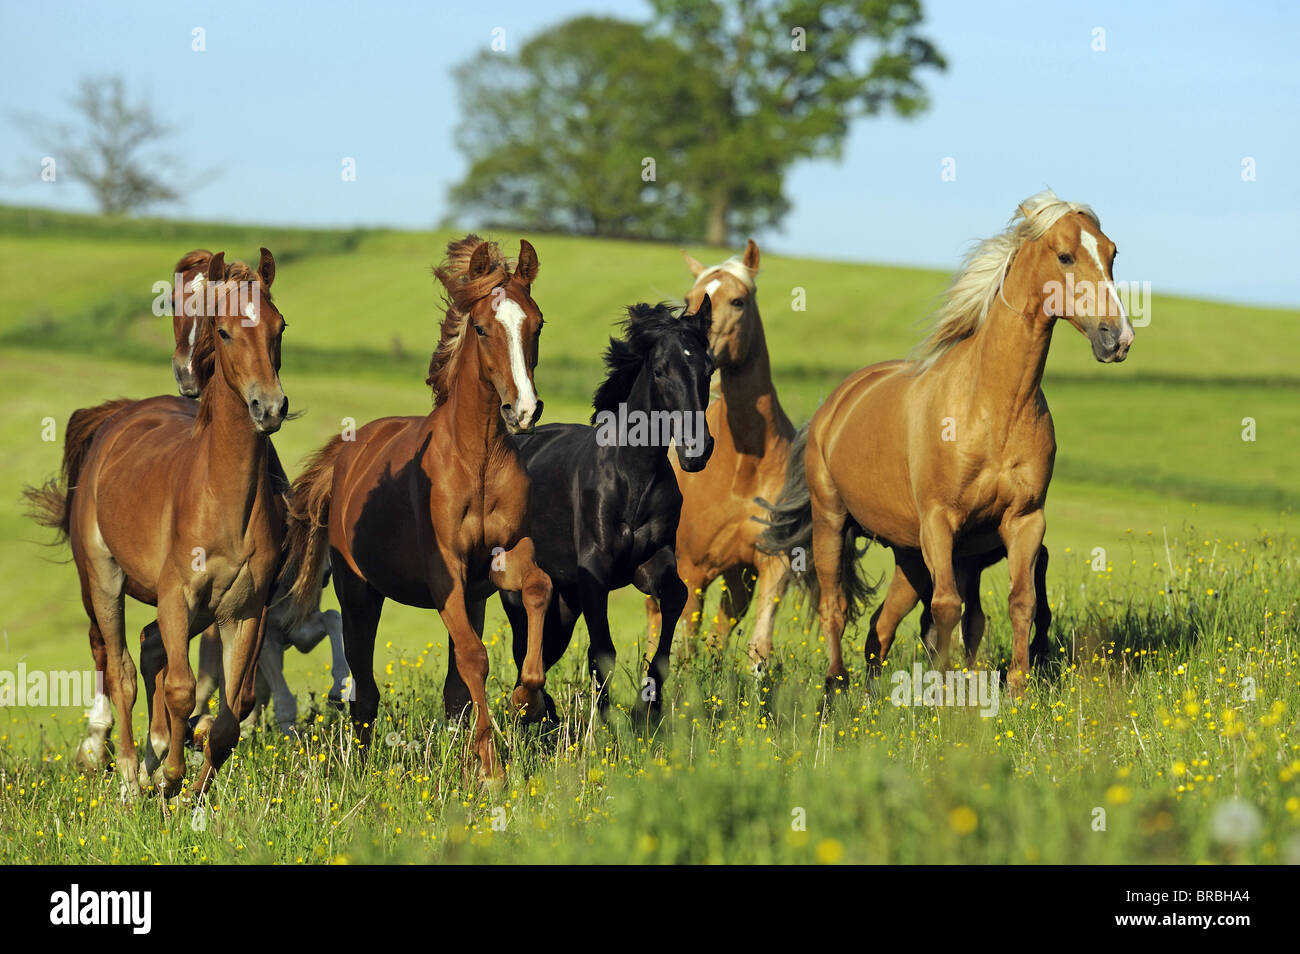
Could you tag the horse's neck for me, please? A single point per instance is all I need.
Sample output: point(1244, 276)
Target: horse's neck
point(236, 453)
point(475, 414)
point(1008, 354)
point(749, 393)
point(639, 460)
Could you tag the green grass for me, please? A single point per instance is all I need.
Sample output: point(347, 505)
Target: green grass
point(1149, 450)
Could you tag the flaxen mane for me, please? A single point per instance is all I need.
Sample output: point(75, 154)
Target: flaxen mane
point(462, 293)
point(970, 294)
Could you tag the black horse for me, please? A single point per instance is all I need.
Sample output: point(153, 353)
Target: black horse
point(603, 499)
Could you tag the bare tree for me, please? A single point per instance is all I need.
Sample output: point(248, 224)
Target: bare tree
point(112, 148)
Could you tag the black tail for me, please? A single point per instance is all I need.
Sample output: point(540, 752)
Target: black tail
point(789, 534)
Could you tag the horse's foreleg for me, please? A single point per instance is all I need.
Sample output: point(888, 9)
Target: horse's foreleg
point(516, 570)
point(208, 679)
point(658, 578)
point(945, 603)
point(697, 582)
point(471, 661)
point(594, 596)
point(1022, 535)
point(773, 578)
point(153, 671)
point(241, 644)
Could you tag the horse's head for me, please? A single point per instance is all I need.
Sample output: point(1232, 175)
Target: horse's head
point(243, 331)
point(1075, 260)
point(730, 290)
point(504, 324)
point(186, 311)
point(663, 364)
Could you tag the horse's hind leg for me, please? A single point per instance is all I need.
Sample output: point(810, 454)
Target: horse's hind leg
point(737, 591)
point(209, 675)
point(360, 605)
point(906, 589)
point(697, 581)
point(828, 518)
point(973, 621)
point(92, 753)
point(153, 669)
point(104, 590)
point(1042, 612)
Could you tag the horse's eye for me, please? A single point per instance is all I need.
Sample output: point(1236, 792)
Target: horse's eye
point(737, 303)
point(1065, 258)
point(480, 331)
point(225, 335)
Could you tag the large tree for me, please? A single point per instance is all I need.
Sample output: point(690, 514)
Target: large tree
point(793, 75)
point(724, 97)
point(558, 134)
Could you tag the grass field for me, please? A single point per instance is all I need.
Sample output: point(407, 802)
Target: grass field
point(1172, 706)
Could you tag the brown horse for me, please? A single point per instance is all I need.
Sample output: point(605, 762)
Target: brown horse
point(716, 535)
point(178, 511)
point(429, 510)
point(949, 456)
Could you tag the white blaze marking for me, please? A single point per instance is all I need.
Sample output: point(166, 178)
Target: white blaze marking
point(511, 317)
point(712, 286)
point(1089, 242)
point(251, 314)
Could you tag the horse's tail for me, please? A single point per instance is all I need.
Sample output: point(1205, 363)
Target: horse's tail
point(307, 542)
point(50, 504)
point(789, 534)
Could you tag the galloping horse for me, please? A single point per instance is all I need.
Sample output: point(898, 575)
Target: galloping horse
point(430, 511)
point(716, 535)
point(949, 456)
point(178, 510)
point(605, 505)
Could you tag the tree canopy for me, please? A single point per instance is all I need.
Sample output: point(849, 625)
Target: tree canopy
point(686, 126)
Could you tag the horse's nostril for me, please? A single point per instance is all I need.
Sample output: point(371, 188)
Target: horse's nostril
point(284, 408)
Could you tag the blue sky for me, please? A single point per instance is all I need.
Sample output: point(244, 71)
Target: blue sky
point(1152, 131)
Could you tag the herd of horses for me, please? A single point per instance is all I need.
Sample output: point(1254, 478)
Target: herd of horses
point(181, 502)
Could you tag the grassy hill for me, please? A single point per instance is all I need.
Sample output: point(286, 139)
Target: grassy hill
point(1151, 452)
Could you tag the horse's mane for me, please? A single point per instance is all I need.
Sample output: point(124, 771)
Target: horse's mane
point(971, 292)
point(462, 292)
point(205, 345)
point(644, 325)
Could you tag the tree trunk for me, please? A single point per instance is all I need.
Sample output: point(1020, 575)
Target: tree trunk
point(716, 227)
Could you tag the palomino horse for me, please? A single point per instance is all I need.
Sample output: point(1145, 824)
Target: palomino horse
point(950, 455)
point(604, 501)
point(716, 535)
point(178, 510)
point(430, 511)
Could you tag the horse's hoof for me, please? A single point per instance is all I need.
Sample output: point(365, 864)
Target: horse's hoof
point(92, 756)
point(529, 705)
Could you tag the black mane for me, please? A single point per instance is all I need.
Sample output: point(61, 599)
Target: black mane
point(644, 326)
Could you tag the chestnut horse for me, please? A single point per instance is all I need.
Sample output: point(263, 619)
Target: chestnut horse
point(179, 511)
point(949, 456)
point(429, 511)
point(717, 535)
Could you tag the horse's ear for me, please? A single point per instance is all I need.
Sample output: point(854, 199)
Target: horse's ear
point(695, 267)
point(266, 267)
point(527, 266)
point(751, 257)
point(217, 267)
point(480, 261)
